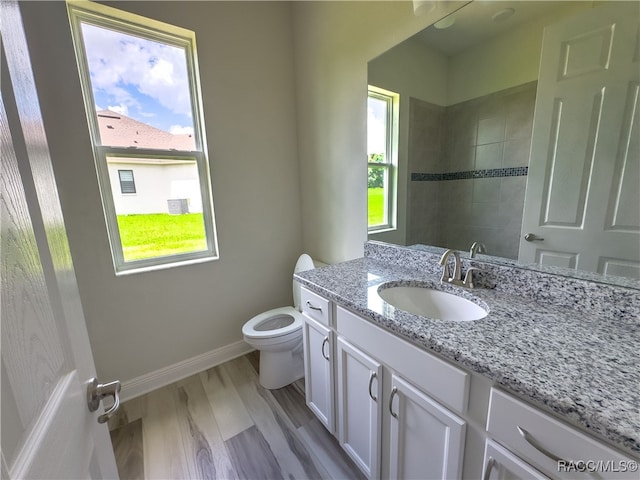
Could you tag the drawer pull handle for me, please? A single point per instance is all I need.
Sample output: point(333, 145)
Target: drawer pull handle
point(487, 470)
point(324, 342)
point(373, 375)
point(313, 307)
point(534, 443)
point(394, 392)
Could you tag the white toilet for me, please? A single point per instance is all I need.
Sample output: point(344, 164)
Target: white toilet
point(277, 334)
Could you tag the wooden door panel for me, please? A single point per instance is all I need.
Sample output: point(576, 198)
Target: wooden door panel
point(46, 357)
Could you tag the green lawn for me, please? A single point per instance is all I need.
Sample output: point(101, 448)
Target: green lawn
point(376, 206)
point(159, 235)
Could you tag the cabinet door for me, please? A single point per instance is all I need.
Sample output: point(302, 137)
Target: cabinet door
point(318, 370)
point(359, 407)
point(427, 440)
point(501, 464)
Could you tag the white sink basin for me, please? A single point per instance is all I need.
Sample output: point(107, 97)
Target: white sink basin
point(431, 303)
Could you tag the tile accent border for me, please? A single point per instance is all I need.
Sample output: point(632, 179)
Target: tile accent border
point(470, 174)
point(161, 378)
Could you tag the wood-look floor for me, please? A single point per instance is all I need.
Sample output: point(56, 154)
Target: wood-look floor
point(222, 424)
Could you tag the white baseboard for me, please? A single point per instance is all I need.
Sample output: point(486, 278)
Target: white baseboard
point(160, 378)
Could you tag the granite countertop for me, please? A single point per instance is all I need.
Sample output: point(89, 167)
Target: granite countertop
point(583, 367)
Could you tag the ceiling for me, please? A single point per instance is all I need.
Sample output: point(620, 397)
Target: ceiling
point(474, 23)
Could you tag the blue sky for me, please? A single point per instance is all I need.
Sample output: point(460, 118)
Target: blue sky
point(139, 78)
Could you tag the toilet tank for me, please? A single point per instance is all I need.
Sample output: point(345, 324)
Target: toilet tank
point(304, 263)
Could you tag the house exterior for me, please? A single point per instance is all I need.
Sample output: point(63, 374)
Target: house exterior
point(149, 185)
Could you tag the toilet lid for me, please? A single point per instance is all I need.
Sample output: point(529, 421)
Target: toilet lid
point(303, 264)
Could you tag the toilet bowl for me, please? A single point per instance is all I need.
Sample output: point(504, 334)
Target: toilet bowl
point(277, 333)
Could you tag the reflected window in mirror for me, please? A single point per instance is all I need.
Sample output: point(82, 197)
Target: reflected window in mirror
point(382, 141)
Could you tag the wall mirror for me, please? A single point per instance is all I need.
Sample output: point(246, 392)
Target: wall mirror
point(518, 119)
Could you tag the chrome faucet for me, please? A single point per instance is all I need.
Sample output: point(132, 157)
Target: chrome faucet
point(477, 247)
point(456, 278)
point(446, 271)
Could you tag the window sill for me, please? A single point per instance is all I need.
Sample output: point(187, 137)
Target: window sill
point(165, 266)
point(374, 231)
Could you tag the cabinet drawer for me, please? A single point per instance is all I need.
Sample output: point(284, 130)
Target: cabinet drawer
point(500, 463)
point(551, 445)
point(316, 307)
point(427, 372)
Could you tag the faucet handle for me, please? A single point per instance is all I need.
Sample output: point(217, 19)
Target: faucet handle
point(468, 277)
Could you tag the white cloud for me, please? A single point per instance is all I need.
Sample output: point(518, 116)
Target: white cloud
point(118, 62)
point(121, 109)
point(181, 130)
point(376, 132)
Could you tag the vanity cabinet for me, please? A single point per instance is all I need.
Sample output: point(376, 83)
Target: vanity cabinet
point(427, 440)
point(421, 437)
point(359, 408)
point(550, 445)
point(318, 344)
point(401, 412)
point(500, 463)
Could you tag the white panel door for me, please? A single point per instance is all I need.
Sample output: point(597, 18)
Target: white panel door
point(318, 371)
point(359, 407)
point(583, 187)
point(427, 440)
point(47, 429)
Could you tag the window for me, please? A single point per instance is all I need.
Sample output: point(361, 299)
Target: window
point(141, 89)
point(382, 121)
point(127, 183)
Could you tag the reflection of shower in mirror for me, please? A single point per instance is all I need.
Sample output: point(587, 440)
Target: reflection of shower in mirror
point(486, 156)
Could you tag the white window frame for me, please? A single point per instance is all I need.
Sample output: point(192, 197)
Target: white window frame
point(391, 156)
point(125, 22)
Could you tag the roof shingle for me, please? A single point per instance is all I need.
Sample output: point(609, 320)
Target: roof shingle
point(117, 130)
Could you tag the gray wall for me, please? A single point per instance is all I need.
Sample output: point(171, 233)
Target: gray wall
point(142, 322)
point(333, 43)
point(284, 87)
point(400, 71)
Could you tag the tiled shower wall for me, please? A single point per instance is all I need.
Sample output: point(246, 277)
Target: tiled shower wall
point(468, 165)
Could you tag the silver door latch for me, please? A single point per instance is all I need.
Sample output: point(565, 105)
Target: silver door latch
point(532, 237)
point(97, 391)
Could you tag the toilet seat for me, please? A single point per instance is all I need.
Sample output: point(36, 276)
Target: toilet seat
point(252, 330)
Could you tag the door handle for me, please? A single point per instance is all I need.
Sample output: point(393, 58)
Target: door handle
point(394, 392)
point(371, 378)
point(534, 443)
point(487, 470)
point(532, 237)
point(324, 342)
point(97, 391)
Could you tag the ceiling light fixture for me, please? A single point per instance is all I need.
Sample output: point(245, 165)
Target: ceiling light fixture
point(446, 22)
point(420, 7)
point(502, 15)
